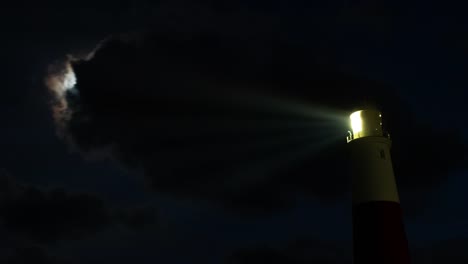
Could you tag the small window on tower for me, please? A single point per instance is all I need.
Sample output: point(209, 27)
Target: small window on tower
point(382, 154)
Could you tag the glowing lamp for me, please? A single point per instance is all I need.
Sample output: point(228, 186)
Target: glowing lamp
point(365, 123)
point(356, 122)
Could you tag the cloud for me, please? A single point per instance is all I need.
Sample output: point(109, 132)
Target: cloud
point(138, 218)
point(32, 254)
point(263, 255)
point(296, 252)
point(46, 216)
point(205, 114)
point(451, 251)
point(54, 215)
point(317, 251)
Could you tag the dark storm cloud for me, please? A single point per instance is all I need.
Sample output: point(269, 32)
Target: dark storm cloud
point(317, 251)
point(298, 252)
point(451, 251)
point(261, 255)
point(47, 216)
point(138, 218)
point(32, 254)
point(176, 104)
point(170, 125)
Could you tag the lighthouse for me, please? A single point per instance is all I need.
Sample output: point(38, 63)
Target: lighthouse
point(378, 230)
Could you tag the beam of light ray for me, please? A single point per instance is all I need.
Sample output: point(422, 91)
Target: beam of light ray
point(242, 141)
point(236, 143)
point(259, 141)
point(277, 143)
point(176, 128)
point(273, 104)
point(264, 159)
point(261, 170)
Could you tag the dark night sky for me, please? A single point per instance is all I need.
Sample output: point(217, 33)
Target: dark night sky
point(226, 203)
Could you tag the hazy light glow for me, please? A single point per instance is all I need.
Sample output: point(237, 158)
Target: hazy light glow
point(356, 122)
point(318, 115)
point(69, 80)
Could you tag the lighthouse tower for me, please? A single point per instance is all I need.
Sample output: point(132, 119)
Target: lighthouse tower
point(378, 230)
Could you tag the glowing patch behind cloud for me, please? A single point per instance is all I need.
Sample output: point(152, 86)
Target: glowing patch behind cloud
point(69, 81)
point(60, 80)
